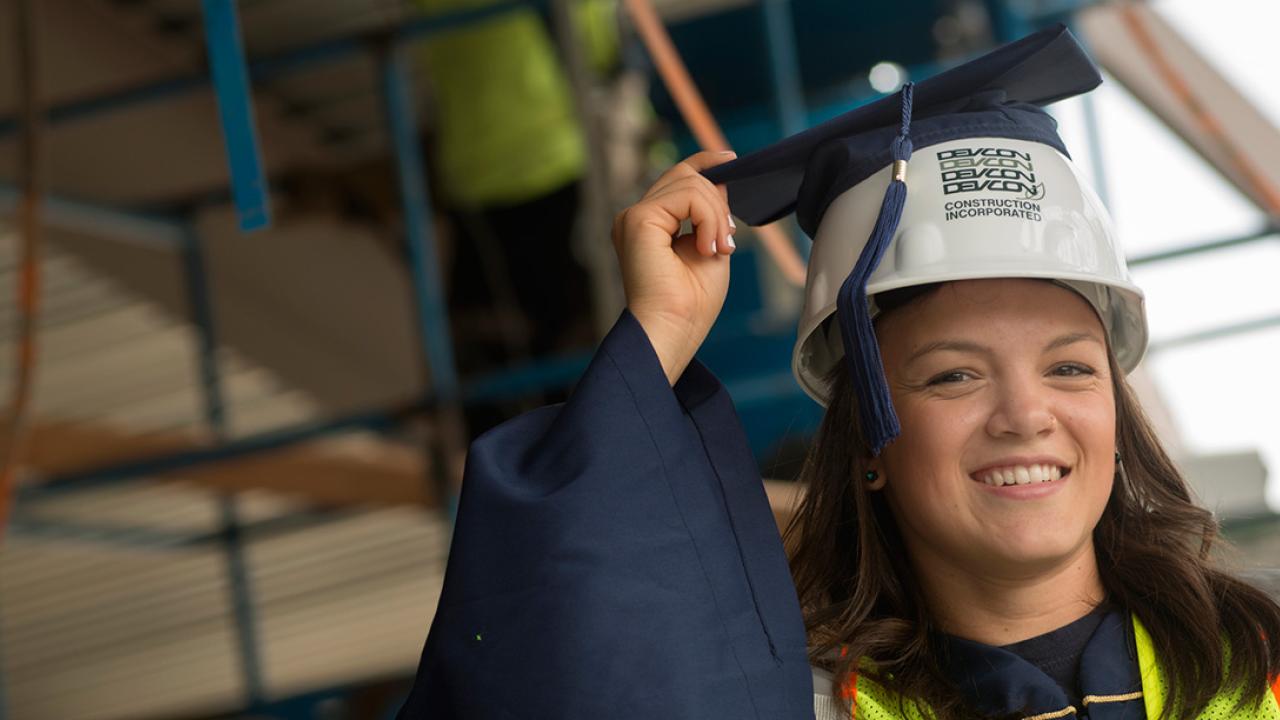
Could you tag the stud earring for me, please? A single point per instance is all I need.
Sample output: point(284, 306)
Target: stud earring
point(872, 475)
point(1124, 477)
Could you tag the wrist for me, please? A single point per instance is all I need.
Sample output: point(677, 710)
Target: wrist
point(672, 342)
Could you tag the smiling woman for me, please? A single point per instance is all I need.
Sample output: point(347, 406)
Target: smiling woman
point(1001, 514)
point(990, 527)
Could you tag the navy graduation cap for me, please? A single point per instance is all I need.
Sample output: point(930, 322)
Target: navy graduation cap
point(997, 92)
point(616, 556)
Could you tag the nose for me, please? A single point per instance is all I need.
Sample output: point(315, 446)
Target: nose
point(1023, 409)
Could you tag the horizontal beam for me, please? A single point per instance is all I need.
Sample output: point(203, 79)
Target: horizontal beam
point(206, 458)
point(266, 69)
point(148, 538)
point(1267, 232)
point(100, 221)
point(546, 374)
point(1217, 333)
point(160, 460)
point(201, 464)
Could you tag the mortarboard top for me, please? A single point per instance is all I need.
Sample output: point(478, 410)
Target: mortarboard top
point(997, 95)
point(991, 96)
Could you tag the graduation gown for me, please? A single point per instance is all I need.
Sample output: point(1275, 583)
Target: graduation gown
point(616, 557)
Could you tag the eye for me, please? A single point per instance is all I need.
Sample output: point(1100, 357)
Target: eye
point(1072, 370)
point(950, 377)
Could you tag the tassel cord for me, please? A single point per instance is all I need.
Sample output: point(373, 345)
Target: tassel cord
point(880, 424)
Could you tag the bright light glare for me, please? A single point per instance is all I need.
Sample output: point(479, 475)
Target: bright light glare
point(886, 77)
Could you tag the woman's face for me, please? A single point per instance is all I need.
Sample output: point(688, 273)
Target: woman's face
point(1007, 451)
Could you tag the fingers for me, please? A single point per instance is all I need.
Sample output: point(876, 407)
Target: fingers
point(697, 200)
point(709, 158)
point(682, 193)
point(692, 166)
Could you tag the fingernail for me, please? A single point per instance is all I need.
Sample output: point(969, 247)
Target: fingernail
point(732, 224)
point(726, 152)
point(713, 247)
point(732, 245)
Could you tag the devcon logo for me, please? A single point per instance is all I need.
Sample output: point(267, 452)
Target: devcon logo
point(967, 170)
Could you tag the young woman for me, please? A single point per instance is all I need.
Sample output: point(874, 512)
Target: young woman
point(990, 527)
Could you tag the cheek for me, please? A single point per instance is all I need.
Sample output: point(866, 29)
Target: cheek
point(935, 434)
point(922, 464)
point(1092, 425)
point(1093, 428)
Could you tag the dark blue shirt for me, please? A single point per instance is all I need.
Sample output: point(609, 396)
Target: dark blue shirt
point(1057, 652)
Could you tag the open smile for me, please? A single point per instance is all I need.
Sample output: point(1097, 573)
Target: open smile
point(1021, 474)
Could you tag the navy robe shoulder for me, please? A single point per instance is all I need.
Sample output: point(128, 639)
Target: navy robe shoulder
point(615, 556)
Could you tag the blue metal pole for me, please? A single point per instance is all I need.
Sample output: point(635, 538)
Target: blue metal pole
point(235, 106)
point(1096, 157)
point(1093, 133)
point(433, 316)
point(1007, 21)
point(789, 103)
point(784, 65)
point(215, 415)
point(788, 87)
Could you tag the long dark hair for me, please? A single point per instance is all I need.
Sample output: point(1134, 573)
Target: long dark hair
point(1154, 548)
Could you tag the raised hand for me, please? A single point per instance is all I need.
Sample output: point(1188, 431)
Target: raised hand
point(676, 285)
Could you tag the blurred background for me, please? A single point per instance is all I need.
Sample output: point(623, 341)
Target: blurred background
point(267, 265)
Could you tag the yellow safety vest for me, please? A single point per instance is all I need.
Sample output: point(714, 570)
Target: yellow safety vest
point(871, 701)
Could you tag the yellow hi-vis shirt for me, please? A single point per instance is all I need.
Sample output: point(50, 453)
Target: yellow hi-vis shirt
point(506, 125)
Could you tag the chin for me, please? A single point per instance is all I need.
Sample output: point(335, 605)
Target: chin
point(1035, 549)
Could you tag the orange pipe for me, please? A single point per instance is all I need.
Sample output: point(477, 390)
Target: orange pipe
point(28, 291)
point(1207, 121)
point(675, 76)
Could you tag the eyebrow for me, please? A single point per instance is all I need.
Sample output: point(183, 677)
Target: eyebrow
point(972, 347)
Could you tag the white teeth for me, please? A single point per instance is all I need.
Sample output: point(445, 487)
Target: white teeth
point(1021, 475)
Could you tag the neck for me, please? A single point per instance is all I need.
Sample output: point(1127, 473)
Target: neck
point(1002, 608)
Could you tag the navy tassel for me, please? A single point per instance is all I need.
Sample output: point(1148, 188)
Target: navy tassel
point(879, 421)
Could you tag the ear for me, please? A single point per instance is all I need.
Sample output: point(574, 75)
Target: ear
point(874, 479)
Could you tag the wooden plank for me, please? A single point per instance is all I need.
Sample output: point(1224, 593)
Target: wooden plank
point(323, 472)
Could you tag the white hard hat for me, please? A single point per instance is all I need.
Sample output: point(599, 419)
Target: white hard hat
point(976, 208)
point(961, 177)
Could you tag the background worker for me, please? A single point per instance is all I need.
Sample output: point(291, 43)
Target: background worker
point(509, 156)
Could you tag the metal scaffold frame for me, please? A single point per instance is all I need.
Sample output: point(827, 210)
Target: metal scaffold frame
point(232, 78)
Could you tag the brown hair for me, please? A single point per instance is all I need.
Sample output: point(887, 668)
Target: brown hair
point(1153, 544)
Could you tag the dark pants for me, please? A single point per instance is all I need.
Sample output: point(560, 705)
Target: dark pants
point(517, 292)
